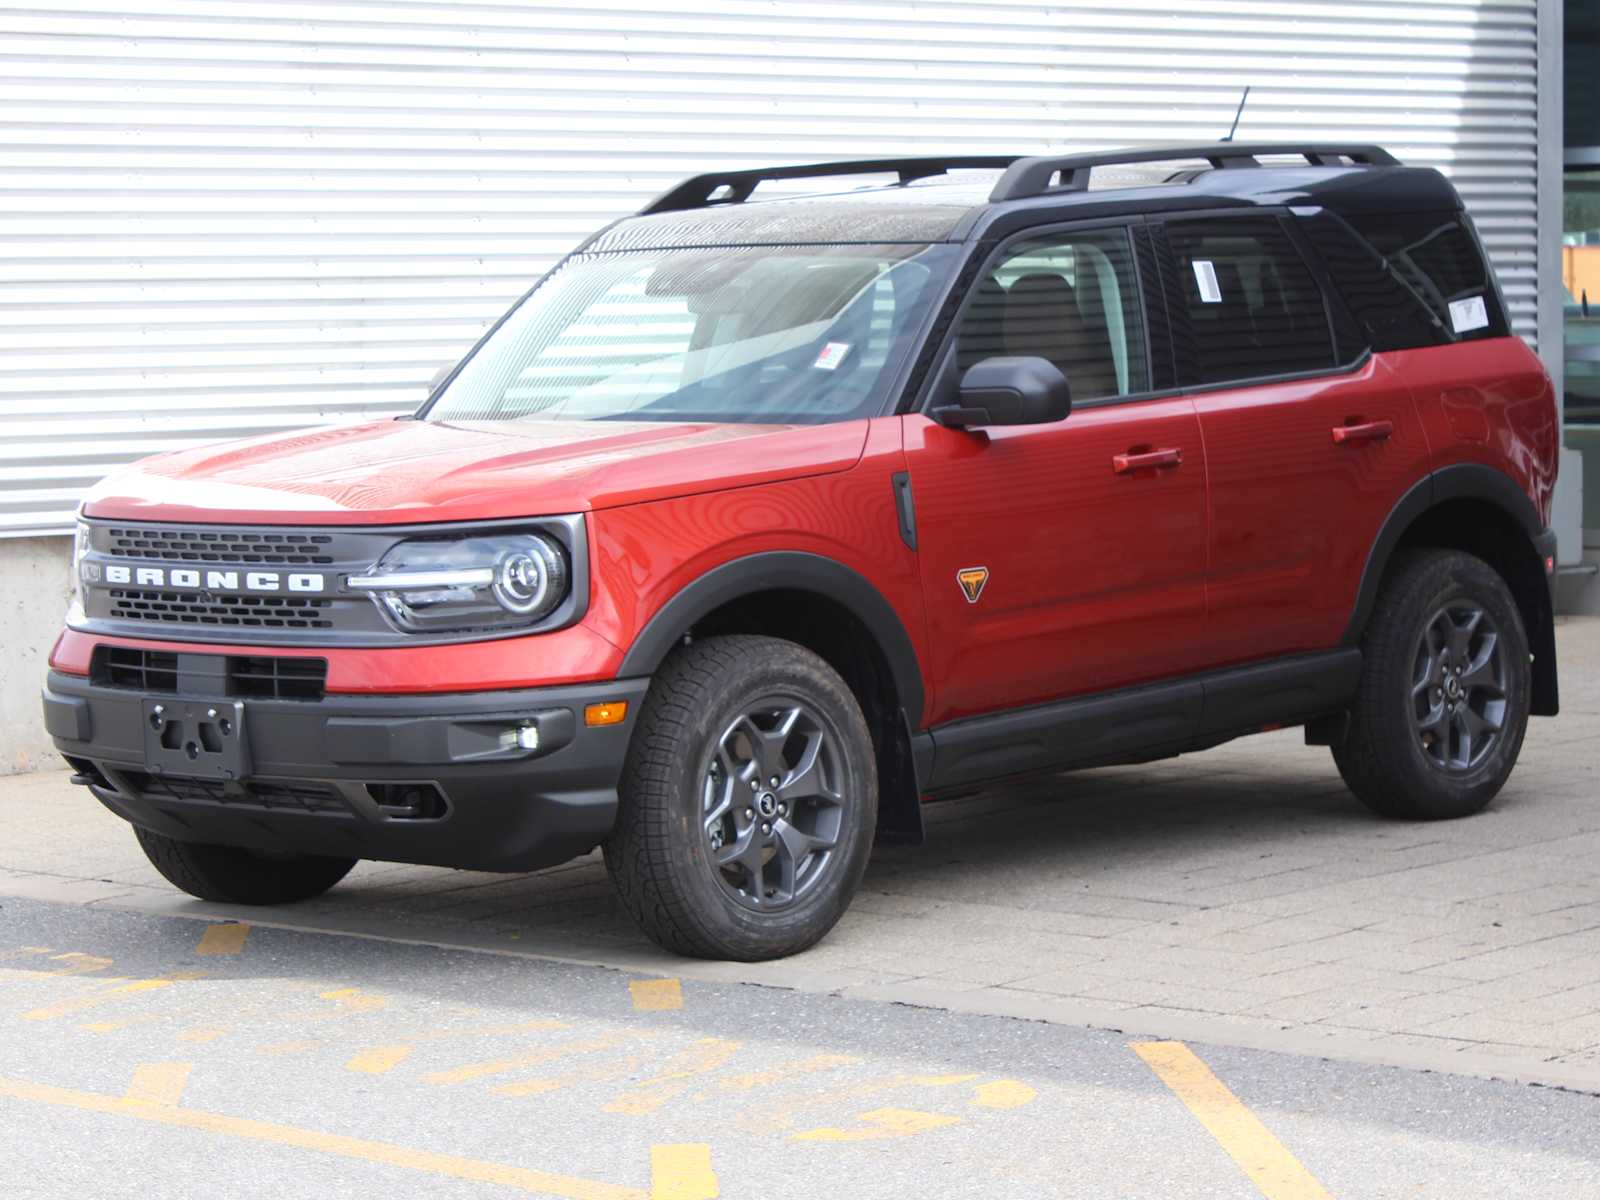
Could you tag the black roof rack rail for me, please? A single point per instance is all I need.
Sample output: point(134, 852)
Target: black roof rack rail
point(1033, 176)
point(697, 191)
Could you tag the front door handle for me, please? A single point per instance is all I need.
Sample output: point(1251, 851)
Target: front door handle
point(1366, 431)
point(1141, 460)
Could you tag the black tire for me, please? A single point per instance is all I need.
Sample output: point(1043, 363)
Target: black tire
point(682, 769)
point(230, 875)
point(1410, 751)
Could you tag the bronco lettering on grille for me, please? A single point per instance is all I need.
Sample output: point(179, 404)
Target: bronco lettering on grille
point(190, 578)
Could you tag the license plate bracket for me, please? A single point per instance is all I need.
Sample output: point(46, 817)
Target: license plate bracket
point(201, 739)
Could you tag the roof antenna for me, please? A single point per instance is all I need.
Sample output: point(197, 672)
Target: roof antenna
point(1238, 114)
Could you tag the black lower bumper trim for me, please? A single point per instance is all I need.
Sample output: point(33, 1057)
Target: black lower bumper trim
point(334, 776)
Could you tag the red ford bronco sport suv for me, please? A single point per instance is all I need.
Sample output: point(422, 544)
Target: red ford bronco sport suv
point(758, 522)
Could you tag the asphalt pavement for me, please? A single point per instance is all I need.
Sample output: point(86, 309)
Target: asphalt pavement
point(149, 1057)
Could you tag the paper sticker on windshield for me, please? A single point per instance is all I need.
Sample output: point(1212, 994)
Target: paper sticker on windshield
point(1469, 314)
point(832, 355)
point(1206, 276)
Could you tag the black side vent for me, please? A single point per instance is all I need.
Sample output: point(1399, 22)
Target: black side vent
point(277, 678)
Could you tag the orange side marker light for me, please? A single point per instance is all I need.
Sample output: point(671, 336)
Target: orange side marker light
point(611, 712)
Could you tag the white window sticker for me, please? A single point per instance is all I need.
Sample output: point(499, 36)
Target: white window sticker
point(1206, 276)
point(1469, 314)
point(832, 355)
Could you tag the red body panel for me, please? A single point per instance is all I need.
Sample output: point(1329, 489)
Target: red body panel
point(1294, 511)
point(399, 472)
point(1488, 402)
point(1096, 578)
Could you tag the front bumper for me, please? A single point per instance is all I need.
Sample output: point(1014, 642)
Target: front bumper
point(402, 778)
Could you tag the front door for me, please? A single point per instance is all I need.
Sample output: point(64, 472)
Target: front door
point(1064, 558)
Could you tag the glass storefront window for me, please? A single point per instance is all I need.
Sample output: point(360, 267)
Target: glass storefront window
point(1580, 274)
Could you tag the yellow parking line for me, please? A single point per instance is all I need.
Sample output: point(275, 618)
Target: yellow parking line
point(682, 1172)
point(227, 938)
point(160, 1083)
point(1278, 1174)
point(673, 1080)
point(447, 1166)
point(656, 995)
point(1003, 1093)
point(78, 1004)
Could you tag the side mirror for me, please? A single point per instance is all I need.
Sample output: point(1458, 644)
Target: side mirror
point(1010, 391)
point(439, 377)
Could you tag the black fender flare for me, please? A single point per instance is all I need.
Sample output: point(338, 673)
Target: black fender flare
point(1464, 481)
point(790, 571)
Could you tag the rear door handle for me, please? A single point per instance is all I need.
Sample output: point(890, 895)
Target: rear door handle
point(1123, 463)
point(1368, 431)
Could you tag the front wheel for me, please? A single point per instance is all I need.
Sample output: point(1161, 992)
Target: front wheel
point(230, 875)
point(1443, 701)
point(748, 801)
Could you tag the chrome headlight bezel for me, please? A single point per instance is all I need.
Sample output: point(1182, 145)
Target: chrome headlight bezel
point(482, 582)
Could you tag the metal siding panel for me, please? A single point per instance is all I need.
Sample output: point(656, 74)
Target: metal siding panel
point(231, 217)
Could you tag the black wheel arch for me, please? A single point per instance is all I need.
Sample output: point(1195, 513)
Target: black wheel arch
point(903, 750)
point(1478, 509)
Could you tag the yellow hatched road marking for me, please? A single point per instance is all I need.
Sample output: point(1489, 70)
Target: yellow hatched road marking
point(879, 1125)
point(447, 1166)
point(1003, 1093)
point(540, 1087)
point(656, 995)
point(203, 1035)
point(705, 1055)
point(377, 1060)
point(800, 1066)
point(227, 938)
point(533, 1058)
point(1263, 1158)
point(78, 1004)
point(160, 1083)
point(682, 1172)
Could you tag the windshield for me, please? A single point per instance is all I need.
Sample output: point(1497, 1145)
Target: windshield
point(767, 334)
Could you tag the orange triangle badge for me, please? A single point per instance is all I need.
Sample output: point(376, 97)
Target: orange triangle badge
point(972, 580)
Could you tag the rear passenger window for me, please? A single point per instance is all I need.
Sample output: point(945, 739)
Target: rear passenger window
point(1254, 308)
point(1435, 256)
point(1071, 298)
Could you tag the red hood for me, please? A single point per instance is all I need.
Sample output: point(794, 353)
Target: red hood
point(404, 471)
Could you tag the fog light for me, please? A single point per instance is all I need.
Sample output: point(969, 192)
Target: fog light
point(612, 712)
point(523, 737)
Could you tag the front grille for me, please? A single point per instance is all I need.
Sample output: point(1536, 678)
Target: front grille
point(258, 612)
point(247, 676)
point(292, 795)
point(218, 546)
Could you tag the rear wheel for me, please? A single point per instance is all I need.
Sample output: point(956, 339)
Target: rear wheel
point(1443, 701)
point(231, 875)
point(748, 801)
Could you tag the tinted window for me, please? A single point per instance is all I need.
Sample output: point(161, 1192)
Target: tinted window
point(1436, 258)
point(1253, 307)
point(1071, 298)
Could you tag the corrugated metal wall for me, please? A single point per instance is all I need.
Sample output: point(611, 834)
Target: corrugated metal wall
point(223, 217)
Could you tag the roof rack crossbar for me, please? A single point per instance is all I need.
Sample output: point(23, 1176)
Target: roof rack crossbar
point(1035, 176)
point(701, 191)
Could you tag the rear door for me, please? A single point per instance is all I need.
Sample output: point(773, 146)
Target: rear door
point(1309, 439)
point(1070, 557)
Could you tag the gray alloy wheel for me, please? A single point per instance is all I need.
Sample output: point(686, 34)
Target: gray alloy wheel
point(773, 804)
point(1458, 694)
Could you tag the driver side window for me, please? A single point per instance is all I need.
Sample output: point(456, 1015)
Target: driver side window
point(1071, 298)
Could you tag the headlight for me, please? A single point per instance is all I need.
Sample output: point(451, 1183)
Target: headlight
point(80, 547)
point(499, 581)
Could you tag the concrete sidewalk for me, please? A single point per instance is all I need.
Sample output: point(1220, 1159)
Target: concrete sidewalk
point(1239, 896)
